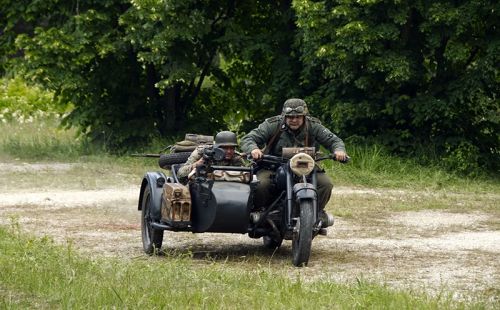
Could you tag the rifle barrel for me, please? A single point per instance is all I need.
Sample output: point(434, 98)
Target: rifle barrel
point(146, 155)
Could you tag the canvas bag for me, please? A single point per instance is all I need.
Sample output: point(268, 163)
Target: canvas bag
point(190, 142)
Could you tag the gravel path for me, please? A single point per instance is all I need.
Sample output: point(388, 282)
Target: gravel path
point(426, 251)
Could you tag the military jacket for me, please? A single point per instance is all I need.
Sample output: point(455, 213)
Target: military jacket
point(189, 165)
point(312, 127)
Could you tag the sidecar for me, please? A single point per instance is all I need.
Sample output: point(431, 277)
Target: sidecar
point(204, 204)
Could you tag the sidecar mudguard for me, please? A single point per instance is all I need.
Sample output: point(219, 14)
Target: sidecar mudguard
point(155, 181)
point(220, 206)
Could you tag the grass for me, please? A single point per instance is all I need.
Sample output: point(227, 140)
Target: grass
point(39, 139)
point(36, 273)
point(382, 201)
point(372, 167)
point(42, 140)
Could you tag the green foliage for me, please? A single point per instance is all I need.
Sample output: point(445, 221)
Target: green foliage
point(23, 103)
point(218, 60)
point(77, 52)
point(407, 73)
point(138, 70)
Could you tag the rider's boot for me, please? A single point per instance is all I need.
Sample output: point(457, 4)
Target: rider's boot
point(326, 218)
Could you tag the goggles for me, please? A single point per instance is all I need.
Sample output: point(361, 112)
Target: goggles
point(299, 109)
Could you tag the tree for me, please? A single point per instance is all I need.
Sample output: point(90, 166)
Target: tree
point(77, 50)
point(219, 63)
point(148, 68)
point(407, 73)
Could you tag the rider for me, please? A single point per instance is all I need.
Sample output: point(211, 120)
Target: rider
point(293, 128)
point(225, 140)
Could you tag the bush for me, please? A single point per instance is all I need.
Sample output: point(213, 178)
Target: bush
point(22, 102)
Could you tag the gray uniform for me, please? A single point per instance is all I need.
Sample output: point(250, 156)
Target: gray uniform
point(317, 134)
point(312, 133)
point(189, 165)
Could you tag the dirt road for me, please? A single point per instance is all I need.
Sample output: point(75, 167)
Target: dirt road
point(429, 251)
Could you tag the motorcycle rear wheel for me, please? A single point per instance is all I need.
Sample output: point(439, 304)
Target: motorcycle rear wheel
point(303, 234)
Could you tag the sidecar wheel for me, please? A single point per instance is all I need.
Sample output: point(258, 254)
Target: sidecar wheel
point(272, 243)
point(152, 239)
point(302, 237)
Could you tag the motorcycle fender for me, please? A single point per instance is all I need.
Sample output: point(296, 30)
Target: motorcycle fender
point(303, 191)
point(155, 181)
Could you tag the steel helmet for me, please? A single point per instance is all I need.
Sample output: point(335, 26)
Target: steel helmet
point(295, 107)
point(225, 138)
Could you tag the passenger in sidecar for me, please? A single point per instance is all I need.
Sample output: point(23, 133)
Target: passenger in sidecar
point(217, 198)
point(225, 140)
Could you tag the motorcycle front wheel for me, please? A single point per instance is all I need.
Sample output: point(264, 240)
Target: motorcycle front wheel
point(302, 236)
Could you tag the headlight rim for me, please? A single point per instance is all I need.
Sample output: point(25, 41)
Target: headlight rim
point(301, 159)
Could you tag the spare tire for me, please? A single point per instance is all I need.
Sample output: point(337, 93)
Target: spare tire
point(166, 160)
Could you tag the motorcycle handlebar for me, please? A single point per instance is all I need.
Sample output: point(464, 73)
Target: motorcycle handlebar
point(278, 159)
point(332, 156)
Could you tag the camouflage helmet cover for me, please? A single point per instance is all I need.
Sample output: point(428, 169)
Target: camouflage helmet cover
point(225, 138)
point(295, 107)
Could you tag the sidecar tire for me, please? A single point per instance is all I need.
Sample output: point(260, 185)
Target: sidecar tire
point(271, 243)
point(302, 239)
point(152, 238)
point(166, 160)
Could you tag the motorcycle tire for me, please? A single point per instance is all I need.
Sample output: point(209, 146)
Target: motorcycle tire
point(166, 160)
point(302, 238)
point(152, 238)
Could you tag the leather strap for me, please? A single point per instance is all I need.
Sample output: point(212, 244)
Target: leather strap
point(277, 134)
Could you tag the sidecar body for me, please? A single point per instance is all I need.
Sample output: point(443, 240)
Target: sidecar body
point(209, 206)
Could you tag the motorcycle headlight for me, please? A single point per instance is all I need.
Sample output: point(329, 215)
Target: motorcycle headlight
point(301, 164)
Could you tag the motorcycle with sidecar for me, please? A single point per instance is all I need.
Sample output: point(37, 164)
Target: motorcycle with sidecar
point(210, 203)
